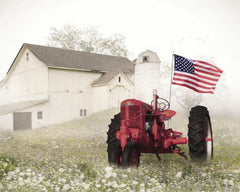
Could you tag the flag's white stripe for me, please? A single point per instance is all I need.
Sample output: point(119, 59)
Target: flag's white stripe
point(194, 86)
point(206, 75)
point(207, 65)
point(208, 71)
point(194, 81)
point(188, 75)
point(195, 89)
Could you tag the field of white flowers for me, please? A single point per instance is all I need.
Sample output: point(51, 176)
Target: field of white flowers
point(73, 157)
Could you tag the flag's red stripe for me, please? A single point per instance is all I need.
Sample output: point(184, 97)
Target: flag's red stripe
point(194, 78)
point(203, 62)
point(209, 73)
point(197, 90)
point(193, 83)
point(206, 68)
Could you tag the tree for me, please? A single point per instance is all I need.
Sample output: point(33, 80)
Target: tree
point(187, 99)
point(88, 40)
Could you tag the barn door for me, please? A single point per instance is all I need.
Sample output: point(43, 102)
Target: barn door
point(22, 120)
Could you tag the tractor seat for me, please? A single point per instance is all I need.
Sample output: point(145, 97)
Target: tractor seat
point(167, 114)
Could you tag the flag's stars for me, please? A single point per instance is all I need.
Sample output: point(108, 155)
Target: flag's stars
point(183, 64)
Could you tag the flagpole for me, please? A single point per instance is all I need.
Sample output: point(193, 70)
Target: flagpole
point(170, 91)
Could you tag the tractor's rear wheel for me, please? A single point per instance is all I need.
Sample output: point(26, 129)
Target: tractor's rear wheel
point(130, 156)
point(113, 144)
point(200, 140)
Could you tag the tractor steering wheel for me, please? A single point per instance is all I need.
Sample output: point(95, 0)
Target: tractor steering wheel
point(162, 104)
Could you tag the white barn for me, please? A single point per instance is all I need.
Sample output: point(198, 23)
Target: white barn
point(47, 85)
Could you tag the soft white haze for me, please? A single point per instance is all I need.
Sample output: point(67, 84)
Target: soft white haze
point(192, 28)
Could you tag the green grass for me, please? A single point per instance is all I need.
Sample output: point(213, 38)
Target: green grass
point(72, 157)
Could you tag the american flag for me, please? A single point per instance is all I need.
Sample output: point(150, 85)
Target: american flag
point(197, 75)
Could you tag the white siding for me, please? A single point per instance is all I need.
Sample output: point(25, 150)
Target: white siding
point(6, 122)
point(100, 98)
point(119, 90)
point(113, 93)
point(27, 80)
point(69, 92)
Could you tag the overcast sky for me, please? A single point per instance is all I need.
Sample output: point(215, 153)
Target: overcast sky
point(193, 28)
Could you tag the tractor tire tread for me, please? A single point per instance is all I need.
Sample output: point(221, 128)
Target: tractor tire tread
point(196, 137)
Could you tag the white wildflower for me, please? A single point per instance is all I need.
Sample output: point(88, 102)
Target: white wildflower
point(123, 185)
point(204, 174)
point(153, 180)
point(114, 184)
point(9, 178)
point(109, 184)
point(17, 170)
point(134, 182)
point(179, 175)
point(57, 189)
point(114, 175)
point(108, 174)
point(11, 173)
point(28, 180)
point(82, 176)
point(236, 171)
point(225, 181)
point(97, 185)
point(66, 187)
point(86, 186)
point(10, 186)
point(230, 182)
point(108, 169)
point(61, 170)
point(103, 180)
point(142, 187)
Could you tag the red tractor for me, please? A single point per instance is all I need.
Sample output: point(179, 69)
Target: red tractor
point(140, 128)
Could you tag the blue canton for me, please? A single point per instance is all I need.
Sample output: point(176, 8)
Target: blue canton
point(183, 64)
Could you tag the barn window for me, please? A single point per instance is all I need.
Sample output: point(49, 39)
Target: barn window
point(119, 79)
point(39, 115)
point(81, 112)
point(145, 58)
point(85, 112)
point(27, 56)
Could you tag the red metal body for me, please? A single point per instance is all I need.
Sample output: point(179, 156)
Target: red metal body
point(144, 124)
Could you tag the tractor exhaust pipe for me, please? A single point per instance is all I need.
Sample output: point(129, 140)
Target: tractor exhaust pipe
point(155, 98)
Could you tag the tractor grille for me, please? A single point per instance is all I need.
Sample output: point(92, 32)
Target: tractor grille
point(134, 116)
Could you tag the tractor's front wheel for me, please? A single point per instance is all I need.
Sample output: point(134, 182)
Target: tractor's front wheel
point(114, 154)
point(200, 140)
point(130, 156)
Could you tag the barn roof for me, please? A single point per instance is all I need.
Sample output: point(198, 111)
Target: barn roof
point(13, 107)
point(105, 78)
point(64, 58)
